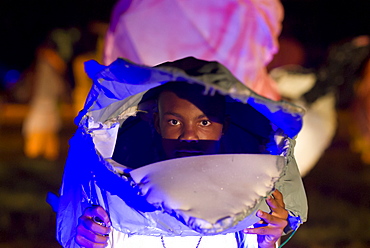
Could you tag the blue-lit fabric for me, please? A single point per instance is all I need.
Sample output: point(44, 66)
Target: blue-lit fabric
point(122, 80)
point(111, 109)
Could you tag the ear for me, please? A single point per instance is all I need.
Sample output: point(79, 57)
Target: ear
point(226, 124)
point(156, 122)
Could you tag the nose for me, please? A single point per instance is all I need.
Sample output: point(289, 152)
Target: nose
point(189, 135)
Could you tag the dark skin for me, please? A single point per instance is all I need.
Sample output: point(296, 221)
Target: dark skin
point(89, 232)
point(182, 121)
point(189, 127)
point(275, 221)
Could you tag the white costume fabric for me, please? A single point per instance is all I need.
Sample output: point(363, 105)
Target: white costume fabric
point(115, 126)
point(119, 239)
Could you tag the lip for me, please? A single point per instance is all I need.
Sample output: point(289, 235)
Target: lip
point(187, 153)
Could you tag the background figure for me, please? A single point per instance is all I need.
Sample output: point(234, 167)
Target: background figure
point(59, 77)
point(343, 67)
point(242, 35)
point(345, 73)
point(361, 107)
point(89, 47)
point(50, 84)
point(354, 90)
point(320, 119)
point(340, 84)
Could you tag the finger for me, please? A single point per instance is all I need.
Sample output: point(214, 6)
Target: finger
point(267, 237)
point(278, 196)
point(276, 205)
point(92, 226)
point(275, 202)
point(98, 211)
point(270, 233)
point(272, 220)
point(89, 235)
point(273, 233)
point(265, 217)
point(272, 203)
point(273, 228)
point(84, 242)
point(276, 209)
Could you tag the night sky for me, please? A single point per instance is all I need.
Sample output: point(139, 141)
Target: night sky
point(25, 24)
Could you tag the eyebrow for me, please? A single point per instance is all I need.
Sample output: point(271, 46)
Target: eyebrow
point(172, 113)
point(180, 116)
point(202, 116)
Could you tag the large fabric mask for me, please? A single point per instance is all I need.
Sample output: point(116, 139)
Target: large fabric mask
point(114, 159)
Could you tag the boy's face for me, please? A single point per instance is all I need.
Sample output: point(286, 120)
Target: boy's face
point(190, 125)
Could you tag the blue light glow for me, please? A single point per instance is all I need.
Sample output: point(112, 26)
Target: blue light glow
point(11, 77)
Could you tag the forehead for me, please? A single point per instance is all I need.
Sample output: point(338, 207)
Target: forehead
point(190, 97)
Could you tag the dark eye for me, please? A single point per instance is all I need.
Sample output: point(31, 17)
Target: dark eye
point(173, 122)
point(205, 123)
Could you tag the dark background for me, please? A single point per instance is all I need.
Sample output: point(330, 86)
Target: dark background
point(315, 23)
point(338, 187)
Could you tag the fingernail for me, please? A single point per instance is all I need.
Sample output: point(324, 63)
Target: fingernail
point(259, 213)
point(246, 230)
